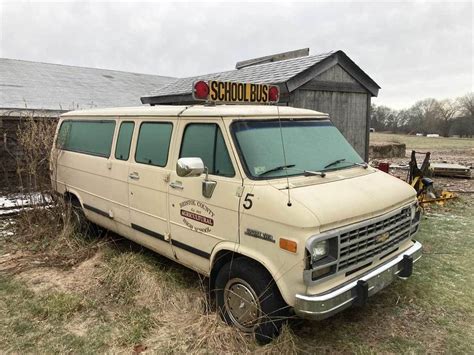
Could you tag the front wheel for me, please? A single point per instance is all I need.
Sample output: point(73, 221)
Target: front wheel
point(248, 298)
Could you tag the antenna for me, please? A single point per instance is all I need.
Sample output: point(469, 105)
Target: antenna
point(284, 158)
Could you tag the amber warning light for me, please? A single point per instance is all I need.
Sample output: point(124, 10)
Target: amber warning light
point(232, 92)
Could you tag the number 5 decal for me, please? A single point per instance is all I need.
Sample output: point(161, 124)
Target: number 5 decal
point(248, 202)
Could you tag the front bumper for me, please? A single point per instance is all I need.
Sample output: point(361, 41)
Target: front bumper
point(357, 291)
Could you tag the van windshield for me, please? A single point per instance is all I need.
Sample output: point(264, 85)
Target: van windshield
point(309, 146)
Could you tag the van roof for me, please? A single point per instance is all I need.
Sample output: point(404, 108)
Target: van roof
point(200, 110)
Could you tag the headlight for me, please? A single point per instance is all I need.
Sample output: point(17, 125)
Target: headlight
point(320, 250)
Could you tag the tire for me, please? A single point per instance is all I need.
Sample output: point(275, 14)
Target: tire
point(80, 222)
point(248, 298)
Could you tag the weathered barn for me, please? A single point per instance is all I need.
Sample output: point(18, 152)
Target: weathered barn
point(42, 90)
point(329, 82)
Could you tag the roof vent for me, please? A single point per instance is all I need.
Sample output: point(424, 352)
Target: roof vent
point(273, 58)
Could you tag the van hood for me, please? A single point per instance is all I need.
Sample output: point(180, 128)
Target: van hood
point(343, 200)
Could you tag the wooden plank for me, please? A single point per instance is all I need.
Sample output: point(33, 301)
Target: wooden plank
point(336, 73)
point(318, 85)
point(273, 58)
point(367, 131)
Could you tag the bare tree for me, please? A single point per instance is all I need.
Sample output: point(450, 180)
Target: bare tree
point(448, 109)
point(466, 105)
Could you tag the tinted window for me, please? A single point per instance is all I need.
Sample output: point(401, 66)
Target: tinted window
point(153, 143)
point(89, 137)
point(124, 139)
point(205, 140)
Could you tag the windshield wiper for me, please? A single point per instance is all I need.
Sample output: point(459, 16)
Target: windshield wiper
point(335, 162)
point(281, 167)
point(364, 165)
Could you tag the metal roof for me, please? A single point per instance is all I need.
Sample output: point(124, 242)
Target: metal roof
point(45, 86)
point(199, 110)
point(288, 74)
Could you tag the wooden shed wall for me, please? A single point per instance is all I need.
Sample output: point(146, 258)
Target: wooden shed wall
point(9, 151)
point(347, 102)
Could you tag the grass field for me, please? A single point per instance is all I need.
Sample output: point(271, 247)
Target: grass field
point(117, 297)
point(420, 143)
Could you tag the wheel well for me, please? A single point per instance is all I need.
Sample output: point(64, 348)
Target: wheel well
point(72, 198)
point(223, 257)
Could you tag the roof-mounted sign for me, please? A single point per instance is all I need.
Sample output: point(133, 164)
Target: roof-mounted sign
point(232, 92)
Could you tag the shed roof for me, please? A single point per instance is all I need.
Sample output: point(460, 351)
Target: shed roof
point(288, 74)
point(46, 86)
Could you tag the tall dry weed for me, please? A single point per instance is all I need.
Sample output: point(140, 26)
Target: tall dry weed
point(44, 223)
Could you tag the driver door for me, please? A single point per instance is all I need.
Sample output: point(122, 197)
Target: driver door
point(198, 223)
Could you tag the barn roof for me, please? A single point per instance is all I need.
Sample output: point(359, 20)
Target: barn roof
point(45, 86)
point(288, 74)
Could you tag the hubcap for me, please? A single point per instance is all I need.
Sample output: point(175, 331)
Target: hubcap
point(241, 304)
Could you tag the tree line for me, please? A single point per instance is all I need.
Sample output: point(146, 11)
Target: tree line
point(444, 117)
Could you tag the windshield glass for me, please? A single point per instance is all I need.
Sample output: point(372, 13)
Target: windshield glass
point(309, 146)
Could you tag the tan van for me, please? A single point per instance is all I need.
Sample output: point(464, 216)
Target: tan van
point(271, 203)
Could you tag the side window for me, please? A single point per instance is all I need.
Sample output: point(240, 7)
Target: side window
point(63, 133)
point(124, 140)
point(88, 137)
point(205, 140)
point(153, 143)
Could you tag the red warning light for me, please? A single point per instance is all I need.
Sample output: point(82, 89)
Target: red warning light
point(201, 90)
point(274, 93)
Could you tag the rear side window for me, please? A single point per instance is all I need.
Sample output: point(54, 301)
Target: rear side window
point(153, 143)
point(124, 140)
point(88, 137)
point(205, 140)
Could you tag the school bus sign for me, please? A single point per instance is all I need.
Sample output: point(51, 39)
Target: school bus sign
point(234, 92)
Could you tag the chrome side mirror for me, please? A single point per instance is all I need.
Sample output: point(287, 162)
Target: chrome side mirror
point(189, 167)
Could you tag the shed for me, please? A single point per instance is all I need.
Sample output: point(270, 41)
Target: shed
point(329, 82)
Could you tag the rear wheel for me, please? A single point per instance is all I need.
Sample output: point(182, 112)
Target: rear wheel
point(80, 222)
point(248, 298)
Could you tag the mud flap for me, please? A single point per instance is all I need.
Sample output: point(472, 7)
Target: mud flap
point(406, 266)
point(362, 293)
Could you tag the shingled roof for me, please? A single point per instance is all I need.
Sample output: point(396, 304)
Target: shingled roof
point(45, 86)
point(288, 74)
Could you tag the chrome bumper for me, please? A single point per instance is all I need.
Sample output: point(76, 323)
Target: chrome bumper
point(356, 292)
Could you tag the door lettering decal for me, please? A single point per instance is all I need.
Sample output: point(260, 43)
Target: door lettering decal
point(194, 211)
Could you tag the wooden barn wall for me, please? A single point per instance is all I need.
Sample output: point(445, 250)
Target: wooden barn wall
point(10, 151)
point(337, 93)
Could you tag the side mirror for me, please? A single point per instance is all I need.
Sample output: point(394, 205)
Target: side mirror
point(189, 167)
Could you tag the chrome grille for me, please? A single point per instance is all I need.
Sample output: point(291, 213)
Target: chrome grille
point(359, 245)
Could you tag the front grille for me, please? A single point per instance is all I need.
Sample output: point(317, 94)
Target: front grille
point(360, 244)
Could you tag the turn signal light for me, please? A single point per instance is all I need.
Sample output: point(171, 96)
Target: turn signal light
point(289, 245)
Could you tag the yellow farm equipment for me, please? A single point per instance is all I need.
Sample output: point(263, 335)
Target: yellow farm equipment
point(419, 178)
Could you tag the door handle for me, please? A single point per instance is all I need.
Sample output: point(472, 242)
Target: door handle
point(175, 185)
point(134, 176)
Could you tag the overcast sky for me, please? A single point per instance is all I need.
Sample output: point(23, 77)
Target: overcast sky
point(413, 50)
